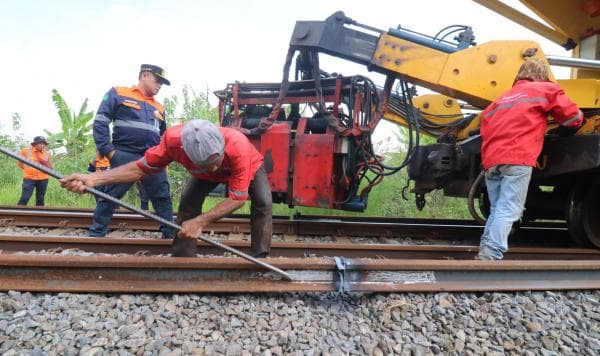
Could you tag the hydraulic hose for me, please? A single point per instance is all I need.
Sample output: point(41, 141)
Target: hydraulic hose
point(471, 198)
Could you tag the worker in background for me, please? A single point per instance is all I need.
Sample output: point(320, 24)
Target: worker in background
point(101, 163)
point(138, 121)
point(212, 155)
point(98, 164)
point(33, 178)
point(512, 131)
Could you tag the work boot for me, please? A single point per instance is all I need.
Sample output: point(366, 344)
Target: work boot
point(184, 247)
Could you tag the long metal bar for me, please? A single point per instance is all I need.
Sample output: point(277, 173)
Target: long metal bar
point(149, 215)
point(216, 274)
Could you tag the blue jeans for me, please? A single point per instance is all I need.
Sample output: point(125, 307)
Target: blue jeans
point(156, 185)
point(40, 191)
point(507, 186)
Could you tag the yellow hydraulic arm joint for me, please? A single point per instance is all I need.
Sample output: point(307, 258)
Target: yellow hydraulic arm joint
point(437, 113)
point(476, 75)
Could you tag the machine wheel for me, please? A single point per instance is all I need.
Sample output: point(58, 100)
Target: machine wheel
point(583, 213)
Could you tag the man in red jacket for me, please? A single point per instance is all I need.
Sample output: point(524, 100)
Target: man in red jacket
point(212, 155)
point(512, 130)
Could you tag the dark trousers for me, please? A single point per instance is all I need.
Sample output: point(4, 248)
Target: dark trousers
point(40, 191)
point(156, 185)
point(144, 200)
point(261, 215)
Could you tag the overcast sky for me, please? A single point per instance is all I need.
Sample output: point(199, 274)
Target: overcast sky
point(82, 48)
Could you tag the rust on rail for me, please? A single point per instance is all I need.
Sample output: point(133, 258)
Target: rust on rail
point(221, 274)
point(144, 246)
point(304, 225)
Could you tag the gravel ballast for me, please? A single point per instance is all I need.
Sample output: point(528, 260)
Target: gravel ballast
point(525, 323)
point(529, 323)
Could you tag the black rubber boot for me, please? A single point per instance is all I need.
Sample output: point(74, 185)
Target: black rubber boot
point(261, 255)
point(184, 247)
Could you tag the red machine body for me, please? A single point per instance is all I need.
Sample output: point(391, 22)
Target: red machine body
point(314, 168)
point(305, 158)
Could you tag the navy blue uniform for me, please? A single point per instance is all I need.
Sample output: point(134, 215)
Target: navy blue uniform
point(138, 121)
point(137, 124)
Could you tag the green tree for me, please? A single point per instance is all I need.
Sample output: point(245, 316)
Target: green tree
point(16, 121)
point(10, 174)
point(192, 105)
point(75, 137)
point(13, 140)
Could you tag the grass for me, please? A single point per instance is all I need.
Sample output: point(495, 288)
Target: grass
point(384, 199)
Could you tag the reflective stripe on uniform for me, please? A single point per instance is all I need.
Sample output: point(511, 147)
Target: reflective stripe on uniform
point(573, 119)
point(135, 125)
point(509, 105)
point(101, 118)
point(146, 165)
point(238, 193)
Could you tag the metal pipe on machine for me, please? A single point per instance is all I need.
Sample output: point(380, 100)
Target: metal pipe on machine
point(573, 62)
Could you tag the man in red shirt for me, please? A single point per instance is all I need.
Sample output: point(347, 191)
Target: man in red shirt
point(212, 155)
point(512, 130)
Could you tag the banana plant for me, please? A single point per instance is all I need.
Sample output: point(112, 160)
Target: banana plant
point(75, 138)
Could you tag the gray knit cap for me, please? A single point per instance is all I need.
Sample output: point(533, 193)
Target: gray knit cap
point(201, 139)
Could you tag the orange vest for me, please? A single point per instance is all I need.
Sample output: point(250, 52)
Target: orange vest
point(102, 163)
point(36, 156)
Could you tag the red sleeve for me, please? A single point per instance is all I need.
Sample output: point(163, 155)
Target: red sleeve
point(564, 110)
point(155, 158)
point(241, 168)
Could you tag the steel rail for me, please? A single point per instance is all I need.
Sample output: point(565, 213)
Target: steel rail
point(316, 226)
point(219, 274)
point(146, 214)
point(143, 246)
point(296, 217)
